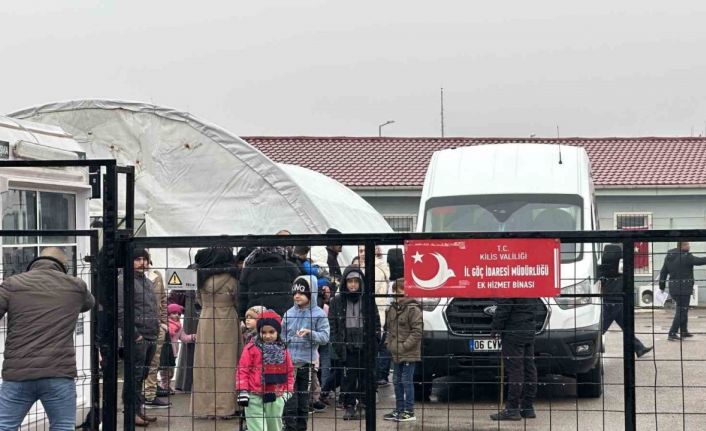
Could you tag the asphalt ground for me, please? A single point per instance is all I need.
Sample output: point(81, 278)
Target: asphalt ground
point(671, 393)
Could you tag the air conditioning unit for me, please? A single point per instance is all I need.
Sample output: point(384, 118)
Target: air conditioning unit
point(647, 298)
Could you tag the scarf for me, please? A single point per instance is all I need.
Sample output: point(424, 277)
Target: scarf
point(274, 368)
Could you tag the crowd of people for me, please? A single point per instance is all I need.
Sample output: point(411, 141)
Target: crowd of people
point(271, 335)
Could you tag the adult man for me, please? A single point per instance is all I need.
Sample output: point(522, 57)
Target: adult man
point(146, 328)
point(42, 305)
point(334, 268)
point(679, 268)
point(514, 323)
point(611, 278)
point(153, 396)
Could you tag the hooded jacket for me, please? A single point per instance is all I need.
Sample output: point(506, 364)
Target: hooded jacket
point(340, 337)
point(305, 350)
point(266, 280)
point(679, 267)
point(609, 274)
point(42, 307)
point(405, 327)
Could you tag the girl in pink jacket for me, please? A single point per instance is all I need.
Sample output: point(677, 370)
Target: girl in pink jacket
point(170, 350)
point(265, 375)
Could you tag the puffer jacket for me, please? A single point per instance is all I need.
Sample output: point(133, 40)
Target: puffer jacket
point(679, 267)
point(42, 306)
point(144, 305)
point(267, 280)
point(404, 330)
point(250, 374)
point(305, 350)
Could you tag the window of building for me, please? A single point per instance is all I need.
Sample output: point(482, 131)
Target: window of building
point(643, 250)
point(33, 209)
point(402, 223)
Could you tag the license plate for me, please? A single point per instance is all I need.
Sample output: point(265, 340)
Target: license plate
point(485, 345)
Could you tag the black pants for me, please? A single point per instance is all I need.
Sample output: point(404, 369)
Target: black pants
point(143, 352)
point(521, 372)
point(353, 384)
point(613, 312)
point(681, 316)
point(296, 410)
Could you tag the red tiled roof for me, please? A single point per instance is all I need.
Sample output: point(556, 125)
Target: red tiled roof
point(402, 162)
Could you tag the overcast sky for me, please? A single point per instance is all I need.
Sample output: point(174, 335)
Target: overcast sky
point(315, 67)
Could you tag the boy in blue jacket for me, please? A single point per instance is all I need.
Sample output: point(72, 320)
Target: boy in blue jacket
point(305, 327)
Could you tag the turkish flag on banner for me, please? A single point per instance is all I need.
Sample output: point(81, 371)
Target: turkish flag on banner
point(483, 268)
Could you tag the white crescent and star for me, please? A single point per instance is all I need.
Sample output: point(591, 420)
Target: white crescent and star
point(441, 276)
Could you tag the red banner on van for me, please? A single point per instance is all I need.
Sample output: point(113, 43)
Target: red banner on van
point(483, 268)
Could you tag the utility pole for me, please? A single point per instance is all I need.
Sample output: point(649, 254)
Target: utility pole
point(442, 112)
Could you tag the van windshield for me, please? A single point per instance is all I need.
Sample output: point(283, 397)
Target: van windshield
point(507, 213)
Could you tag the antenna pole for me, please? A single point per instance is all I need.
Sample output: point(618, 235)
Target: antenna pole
point(442, 112)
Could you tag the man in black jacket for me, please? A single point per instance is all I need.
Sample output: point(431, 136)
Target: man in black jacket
point(266, 280)
point(515, 324)
point(679, 268)
point(146, 330)
point(612, 286)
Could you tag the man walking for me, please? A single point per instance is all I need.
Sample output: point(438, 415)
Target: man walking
point(42, 306)
point(146, 329)
point(514, 322)
point(679, 268)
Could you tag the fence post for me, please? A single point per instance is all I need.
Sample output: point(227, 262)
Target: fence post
point(370, 339)
point(629, 334)
point(129, 341)
point(110, 307)
point(94, 418)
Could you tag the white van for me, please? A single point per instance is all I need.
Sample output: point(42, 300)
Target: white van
point(515, 188)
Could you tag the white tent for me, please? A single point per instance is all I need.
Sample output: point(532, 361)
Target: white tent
point(195, 178)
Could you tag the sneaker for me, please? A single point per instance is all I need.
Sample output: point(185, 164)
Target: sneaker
point(528, 412)
point(157, 403)
point(507, 415)
point(686, 334)
point(161, 392)
point(673, 337)
point(351, 414)
point(392, 416)
point(406, 417)
point(318, 406)
point(382, 383)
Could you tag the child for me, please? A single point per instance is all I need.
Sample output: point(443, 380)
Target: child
point(251, 323)
point(265, 375)
point(305, 328)
point(348, 338)
point(404, 341)
point(170, 349)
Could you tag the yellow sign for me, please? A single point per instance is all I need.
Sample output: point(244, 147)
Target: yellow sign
point(174, 280)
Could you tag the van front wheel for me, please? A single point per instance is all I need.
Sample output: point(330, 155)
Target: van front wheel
point(590, 384)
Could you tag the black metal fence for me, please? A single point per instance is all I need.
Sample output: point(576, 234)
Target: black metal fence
point(587, 378)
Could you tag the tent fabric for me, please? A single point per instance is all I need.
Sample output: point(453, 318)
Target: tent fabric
point(195, 178)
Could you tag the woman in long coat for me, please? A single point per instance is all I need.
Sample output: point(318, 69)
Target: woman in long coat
point(218, 335)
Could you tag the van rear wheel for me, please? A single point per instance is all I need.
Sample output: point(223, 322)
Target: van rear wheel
point(590, 384)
